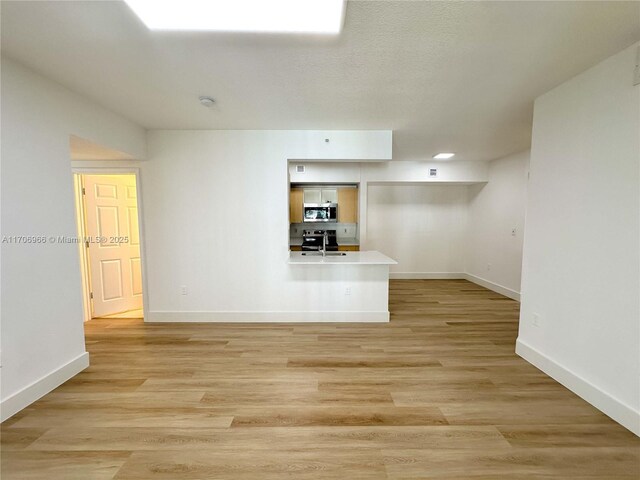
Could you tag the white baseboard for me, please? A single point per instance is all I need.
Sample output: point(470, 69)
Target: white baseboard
point(614, 408)
point(29, 394)
point(267, 317)
point(426, 276)
point(507, 292)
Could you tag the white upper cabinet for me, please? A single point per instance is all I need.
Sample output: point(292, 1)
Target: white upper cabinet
point(312, 195)
point(329, 195)
point(320, 195)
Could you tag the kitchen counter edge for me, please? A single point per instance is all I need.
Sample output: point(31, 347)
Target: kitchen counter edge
point(370, 257)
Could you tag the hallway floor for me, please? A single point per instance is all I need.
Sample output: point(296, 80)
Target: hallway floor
point(128, 314)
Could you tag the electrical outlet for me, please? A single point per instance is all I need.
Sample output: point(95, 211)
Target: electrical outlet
point(535, 319)
point(183, 290)
point(488, 267)
point(347, 291)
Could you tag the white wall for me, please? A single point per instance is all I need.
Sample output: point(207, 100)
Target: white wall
point(494, 252)
point(200, 185)
point(581, 249)
point(387, 172)
point(340, 145)
point(422, 227)
point(447, 172)
point(326, 172)
point(42, 337)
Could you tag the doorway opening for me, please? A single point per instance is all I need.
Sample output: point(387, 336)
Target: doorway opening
point(108, 228)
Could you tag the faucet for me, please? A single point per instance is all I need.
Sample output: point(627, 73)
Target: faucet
point(324, 244)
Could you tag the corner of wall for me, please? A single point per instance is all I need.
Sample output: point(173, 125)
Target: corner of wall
point(25, 397)
point(502, 290)
point(614, 408)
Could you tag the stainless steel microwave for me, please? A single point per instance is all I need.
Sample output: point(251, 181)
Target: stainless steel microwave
point(320, 212)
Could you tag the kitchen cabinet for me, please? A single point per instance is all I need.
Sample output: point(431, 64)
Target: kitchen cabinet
point(347, 205)
point(320, 195)
point(296, 205)
point(312, 195)
point(329, 195)
point(345, 197)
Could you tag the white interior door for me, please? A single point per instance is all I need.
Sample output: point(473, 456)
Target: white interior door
point(111, 208)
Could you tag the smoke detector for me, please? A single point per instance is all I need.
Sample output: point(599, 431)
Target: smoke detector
point(207, 102)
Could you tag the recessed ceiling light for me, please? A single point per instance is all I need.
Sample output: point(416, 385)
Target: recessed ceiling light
point(288, 16)
point(443, 156)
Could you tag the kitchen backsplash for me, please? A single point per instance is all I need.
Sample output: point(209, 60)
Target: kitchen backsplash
point(343, 230)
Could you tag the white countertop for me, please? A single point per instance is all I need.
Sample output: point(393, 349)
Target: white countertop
point(370, 257)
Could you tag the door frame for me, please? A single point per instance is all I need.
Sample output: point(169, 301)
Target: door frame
point(81, 218)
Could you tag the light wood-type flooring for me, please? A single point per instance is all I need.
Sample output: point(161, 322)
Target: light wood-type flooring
point(437, 393)
point(128, 314)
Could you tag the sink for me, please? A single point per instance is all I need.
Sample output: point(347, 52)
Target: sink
point(328, 254)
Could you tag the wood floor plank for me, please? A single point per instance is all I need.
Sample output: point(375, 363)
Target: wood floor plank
point(118, 417)
point(527, 413)
point(126, 401)
point(299, 398)
point(340, 416)
point(80, 465)
point(230, 386)
point(19, 438)
point(245, 464)
point(508, 463)
point(437, 392)
point(363, 362)
point(268, 438)
point(554, 436)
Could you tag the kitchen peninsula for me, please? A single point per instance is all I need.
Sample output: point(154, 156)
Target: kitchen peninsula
point(355, 283)
point(370, 257)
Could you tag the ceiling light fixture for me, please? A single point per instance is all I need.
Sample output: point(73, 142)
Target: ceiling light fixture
point(207, 102)
point(285, 16)
point(443, 156)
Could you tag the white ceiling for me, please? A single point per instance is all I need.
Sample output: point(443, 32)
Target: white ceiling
point(445, 76)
